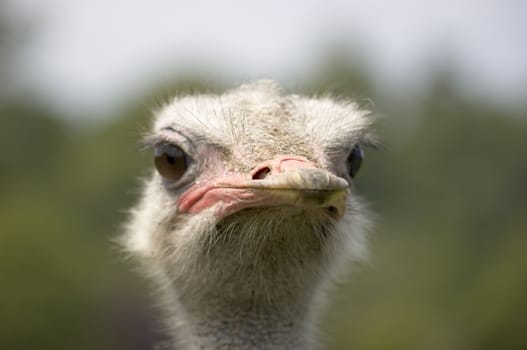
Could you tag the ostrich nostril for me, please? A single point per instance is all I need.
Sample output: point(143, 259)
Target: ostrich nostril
point(261, 174)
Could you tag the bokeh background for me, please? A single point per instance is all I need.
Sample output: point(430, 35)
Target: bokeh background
point(448, 79)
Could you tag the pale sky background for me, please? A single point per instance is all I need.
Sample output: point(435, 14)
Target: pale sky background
point(95, 55)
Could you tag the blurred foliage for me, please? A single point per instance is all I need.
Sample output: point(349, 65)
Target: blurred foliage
point(448, 268)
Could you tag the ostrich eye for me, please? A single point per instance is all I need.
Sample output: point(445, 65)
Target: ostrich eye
point(354, 161)
point(170, 161)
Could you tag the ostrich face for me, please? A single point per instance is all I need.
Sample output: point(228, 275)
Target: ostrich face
point(252, 190)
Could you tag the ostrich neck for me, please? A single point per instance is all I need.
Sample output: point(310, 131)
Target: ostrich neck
point(239, 319)
point(246, 287)
point(242, 329)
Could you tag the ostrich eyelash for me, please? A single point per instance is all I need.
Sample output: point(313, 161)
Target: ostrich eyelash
point(371, 141)
point(167, 135)
point(151, 141)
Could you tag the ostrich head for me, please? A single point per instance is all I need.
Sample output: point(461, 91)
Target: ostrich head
point(250, 213)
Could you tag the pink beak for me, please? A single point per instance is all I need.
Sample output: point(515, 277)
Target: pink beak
point(283, 181)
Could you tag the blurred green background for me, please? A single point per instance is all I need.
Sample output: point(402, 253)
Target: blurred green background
point(449, 262)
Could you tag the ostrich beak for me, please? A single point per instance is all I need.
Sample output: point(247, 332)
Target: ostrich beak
point(285, 181)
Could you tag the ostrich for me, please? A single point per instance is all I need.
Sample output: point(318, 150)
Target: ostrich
point(250, 214)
